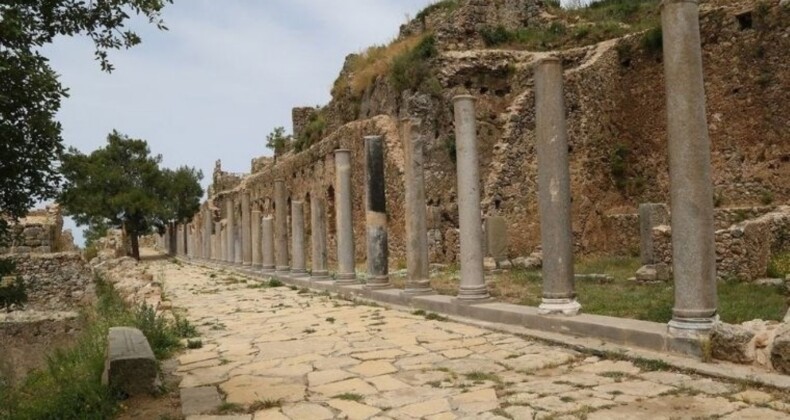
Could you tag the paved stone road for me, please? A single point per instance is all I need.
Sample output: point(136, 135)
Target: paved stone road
point(277, 353)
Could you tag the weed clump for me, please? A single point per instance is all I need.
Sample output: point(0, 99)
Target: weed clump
point(411, 69)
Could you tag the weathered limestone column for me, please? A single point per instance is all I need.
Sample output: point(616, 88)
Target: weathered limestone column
point(554, 191)
point(473, 285)
point(207, 226)
point(318, 237)
point(418, 280)
point(691, 192)
point(215, 242)
point(376, 215)
point(255, 238)
point(237, 248)
point(223, 241)
point(246, 230)
point(267, 245)
point(281, 227)
point(346, 270)
point(229, 232)
point(298, 258)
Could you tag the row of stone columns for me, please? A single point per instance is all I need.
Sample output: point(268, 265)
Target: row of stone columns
point(263, 243)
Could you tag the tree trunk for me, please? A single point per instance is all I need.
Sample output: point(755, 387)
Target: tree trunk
point(135, 245)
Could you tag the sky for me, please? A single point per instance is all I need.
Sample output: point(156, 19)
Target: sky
point(220, 79)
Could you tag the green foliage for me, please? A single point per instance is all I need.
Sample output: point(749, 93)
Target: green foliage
point(652, 40)
point(30, 93)
point(121, 185)
point(278, 142)
point(70, 386)
point(779, 265)
point(443, 5)
point(450, 148)
point(312, 133)
point(496, 36)
point(12, 294)
point(618, 166)
point(411, 69)
point(275, 283)
point(766, 198)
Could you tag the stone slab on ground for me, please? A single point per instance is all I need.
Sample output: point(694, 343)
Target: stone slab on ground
point(200, 400)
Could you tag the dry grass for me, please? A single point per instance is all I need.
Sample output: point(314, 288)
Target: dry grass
point(374, 62)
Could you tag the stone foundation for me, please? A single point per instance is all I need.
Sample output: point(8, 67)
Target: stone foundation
point(55, 282)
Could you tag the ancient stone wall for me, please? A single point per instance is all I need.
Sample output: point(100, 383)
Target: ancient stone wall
point(54, 282)
point(614, 95)
point(742, 250)
point(39, 232)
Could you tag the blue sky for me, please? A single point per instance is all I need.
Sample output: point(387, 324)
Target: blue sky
point(225, 74)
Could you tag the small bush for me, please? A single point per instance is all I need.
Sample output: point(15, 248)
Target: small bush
point(90, 253)
point(496, 36)
point(450, 148)
point(618, 165)
point(411, 69)
point(194, 344)
point(766, 198)
point(13, 294)
point(653, 40)
point(312, 133)
point(275, 283)
point(444, 5)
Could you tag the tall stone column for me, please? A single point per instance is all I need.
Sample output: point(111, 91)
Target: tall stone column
point(208, 224)
point(246, 230)
point(418, 281)
point(267, 245)
point(376, 214)
point(215, 242)
point(255, 238)
point(554, 186)
point(318, 237)
point(230, 228)
point(299, 261)
point(473, 285)
point(237, 248)
point(346, 270)
point(281, 227)
point(223, 241)
point(691, 191)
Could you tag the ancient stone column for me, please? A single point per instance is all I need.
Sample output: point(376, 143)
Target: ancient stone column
point(318, 237)
point(255, 239)
point(207, 226)
point(267, 245)
point(418, 280)
point(298, 257)
point(281, 227)
point(230, 229)
point(246, 230)
point(237, 247)
point(554, 186)
point(376, 214)
point(346, 270)
point(473, 285)
point(223, 241)
point(691, 191)
point(215, 243)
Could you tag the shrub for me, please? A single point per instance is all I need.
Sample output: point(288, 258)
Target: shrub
point(13, 294)
point(446, 5)
point(652, 40)
point(496, 36)
point(313, 132)
point(411, 69)
point(450, 148)
point(779, 266)
point(618, 166)
point(90, 253)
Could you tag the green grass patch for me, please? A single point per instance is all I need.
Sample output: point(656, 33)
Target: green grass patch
point(350, 396)
point(779, 266)
point(411, 69)
point(275, 283)
point(69, 387)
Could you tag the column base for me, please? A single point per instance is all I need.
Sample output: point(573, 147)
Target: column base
point(378, 282)
point(246, 264)
point(256, 266)
point(691, 327)
point(268, 269)
point(418, 288)
point(299, 272)
point(319, 275)
point(567, 307)
point(473, 294)
point(346, 278)
point(283, 271)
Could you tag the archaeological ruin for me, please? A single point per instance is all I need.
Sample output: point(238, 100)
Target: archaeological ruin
point(380, 189)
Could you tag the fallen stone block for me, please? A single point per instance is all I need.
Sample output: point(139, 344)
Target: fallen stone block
point(732, 343)
point(780, 353)
point(130, 365)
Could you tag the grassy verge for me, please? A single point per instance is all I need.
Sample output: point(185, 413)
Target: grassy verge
point(70, 385)
point(627, 299)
